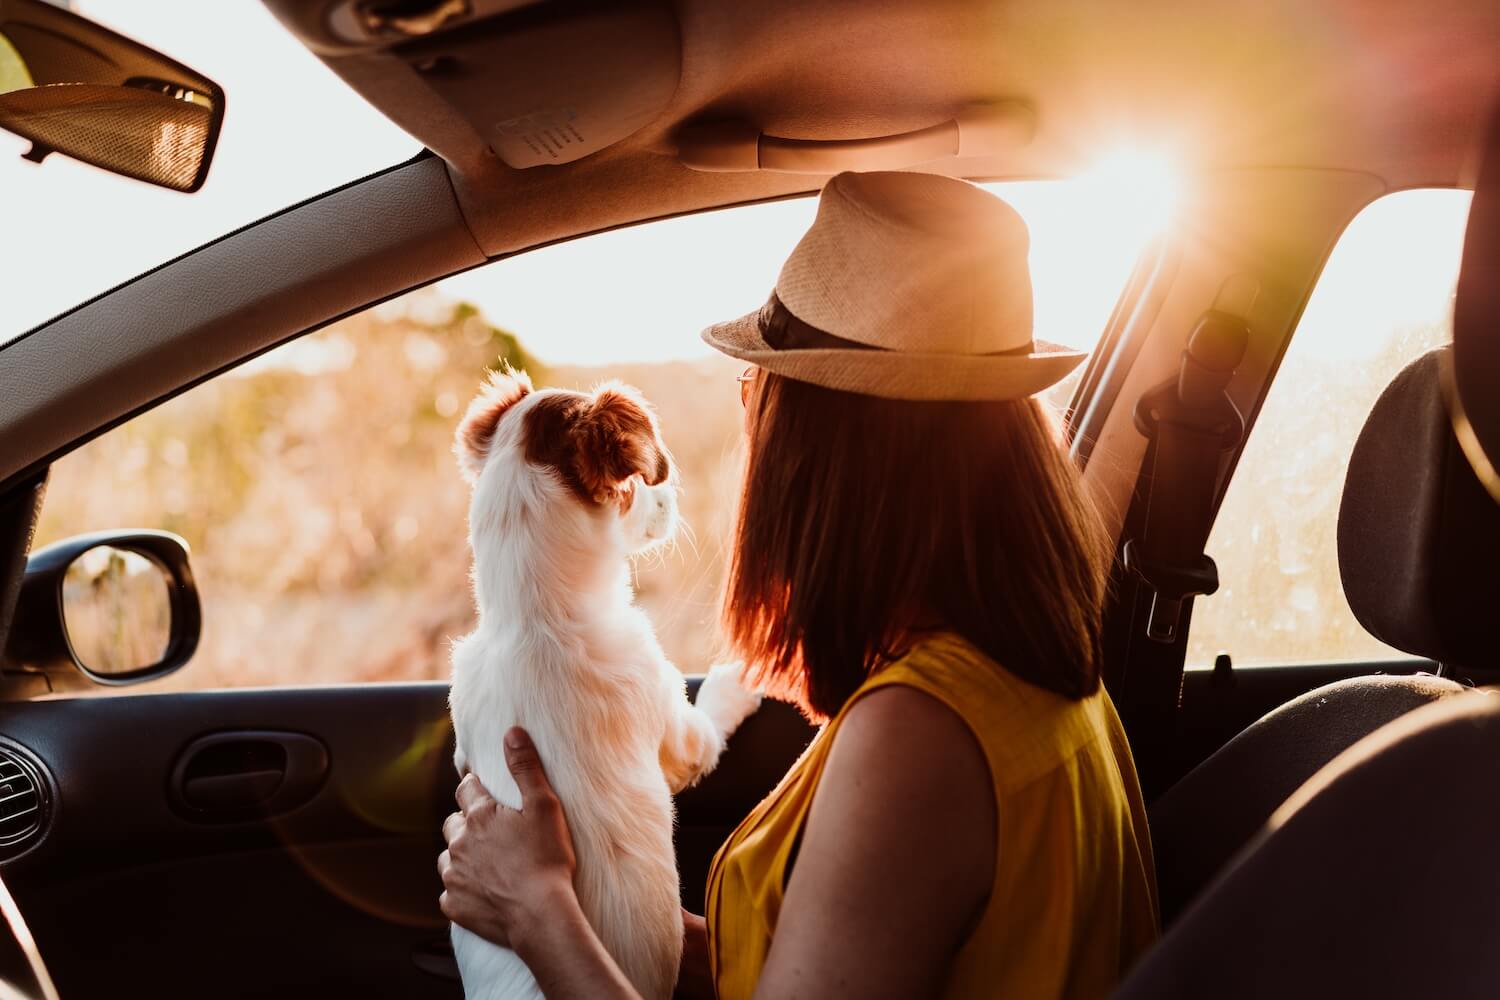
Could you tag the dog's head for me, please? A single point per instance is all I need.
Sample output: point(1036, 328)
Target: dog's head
point(602, 450)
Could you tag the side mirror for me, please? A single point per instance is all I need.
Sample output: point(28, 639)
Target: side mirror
point(73, 87)
point(108, 608)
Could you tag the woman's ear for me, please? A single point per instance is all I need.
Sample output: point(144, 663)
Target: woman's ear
point(618, 439)
point(476, 431)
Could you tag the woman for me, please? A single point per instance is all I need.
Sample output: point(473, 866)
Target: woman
point(917, 564)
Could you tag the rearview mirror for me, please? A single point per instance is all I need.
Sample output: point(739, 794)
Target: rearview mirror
point(75, 88)
point(109, 608)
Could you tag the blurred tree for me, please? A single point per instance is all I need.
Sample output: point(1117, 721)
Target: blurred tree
point(504, 346)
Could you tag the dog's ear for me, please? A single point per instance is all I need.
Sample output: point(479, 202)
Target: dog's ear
point(502, 390)
point(617, 439)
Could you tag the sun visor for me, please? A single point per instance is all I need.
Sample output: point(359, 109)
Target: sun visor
point(540, 83)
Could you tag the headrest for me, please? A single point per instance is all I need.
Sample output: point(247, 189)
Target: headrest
point(1476, 312)
point(1419, 538)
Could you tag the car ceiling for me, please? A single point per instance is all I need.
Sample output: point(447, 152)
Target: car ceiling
point(1395, 89)
point(1291, 116)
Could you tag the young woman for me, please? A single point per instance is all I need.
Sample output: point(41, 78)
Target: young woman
point(915, 563)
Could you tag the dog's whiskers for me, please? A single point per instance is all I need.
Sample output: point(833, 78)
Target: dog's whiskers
point(686, 532)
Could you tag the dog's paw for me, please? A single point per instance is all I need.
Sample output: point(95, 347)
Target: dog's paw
point(724, 698)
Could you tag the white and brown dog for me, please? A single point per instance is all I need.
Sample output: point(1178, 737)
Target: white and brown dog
point(567, 486)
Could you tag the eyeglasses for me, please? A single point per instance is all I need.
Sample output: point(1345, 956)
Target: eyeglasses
point(746, 379)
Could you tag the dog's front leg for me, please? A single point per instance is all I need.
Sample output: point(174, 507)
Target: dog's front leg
point(696, 733)
point(724, 698)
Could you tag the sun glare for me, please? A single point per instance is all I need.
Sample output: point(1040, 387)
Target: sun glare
point(1136, 188)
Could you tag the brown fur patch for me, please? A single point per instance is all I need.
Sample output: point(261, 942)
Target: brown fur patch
point(502, 390)
point(597, 443)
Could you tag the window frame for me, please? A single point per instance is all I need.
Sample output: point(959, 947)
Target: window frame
point(1358, 665)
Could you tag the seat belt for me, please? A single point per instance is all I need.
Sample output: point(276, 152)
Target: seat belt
point(1190, 423)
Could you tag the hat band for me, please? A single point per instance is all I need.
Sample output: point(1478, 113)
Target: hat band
point(782, 331)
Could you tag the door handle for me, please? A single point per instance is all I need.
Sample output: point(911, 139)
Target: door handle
point(232, 791)
point(246, 774)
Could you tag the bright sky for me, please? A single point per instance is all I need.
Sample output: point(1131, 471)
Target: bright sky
point(293, 129)
point(1394, 268)
point(647, 291)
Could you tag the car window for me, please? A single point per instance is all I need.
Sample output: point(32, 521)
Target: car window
point(317, 485)
point(1384, 298)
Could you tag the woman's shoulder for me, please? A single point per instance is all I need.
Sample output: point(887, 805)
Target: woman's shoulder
point(1023, 729)
point(919, 717)
point(946, 663)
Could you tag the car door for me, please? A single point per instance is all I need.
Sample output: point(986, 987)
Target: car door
point(143, 886)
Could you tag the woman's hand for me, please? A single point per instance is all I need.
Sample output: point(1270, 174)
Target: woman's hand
point(508, 872)
point(695, 980)
point(508, 877)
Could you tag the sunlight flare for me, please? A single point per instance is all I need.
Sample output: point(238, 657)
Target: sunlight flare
point(1138, 188)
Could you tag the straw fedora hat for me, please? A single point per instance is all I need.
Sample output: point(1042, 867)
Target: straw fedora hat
point(907, 286)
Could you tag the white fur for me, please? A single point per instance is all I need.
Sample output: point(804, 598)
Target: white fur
point(561, 649)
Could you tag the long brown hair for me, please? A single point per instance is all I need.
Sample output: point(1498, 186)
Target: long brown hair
point(864, 520)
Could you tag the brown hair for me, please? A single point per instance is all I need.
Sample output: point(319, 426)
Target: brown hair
point(863, 520)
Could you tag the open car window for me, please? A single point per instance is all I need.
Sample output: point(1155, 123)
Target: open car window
point(317, 486)
point(1384, 298)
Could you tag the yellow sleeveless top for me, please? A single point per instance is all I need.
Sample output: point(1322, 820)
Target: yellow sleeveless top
point(1074, 897)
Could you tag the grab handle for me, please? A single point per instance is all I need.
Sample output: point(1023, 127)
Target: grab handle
point(731, 146)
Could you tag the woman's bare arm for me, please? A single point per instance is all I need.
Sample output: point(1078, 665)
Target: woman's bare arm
point(895, 864)
point(896, 860)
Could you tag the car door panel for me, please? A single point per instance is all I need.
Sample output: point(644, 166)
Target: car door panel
point(133, 890)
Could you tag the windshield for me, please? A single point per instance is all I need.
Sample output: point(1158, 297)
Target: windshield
point(292, 129)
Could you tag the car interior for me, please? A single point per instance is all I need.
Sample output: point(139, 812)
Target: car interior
point(1319, 828)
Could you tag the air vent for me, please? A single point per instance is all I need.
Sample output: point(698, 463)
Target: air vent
point(23, 803)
